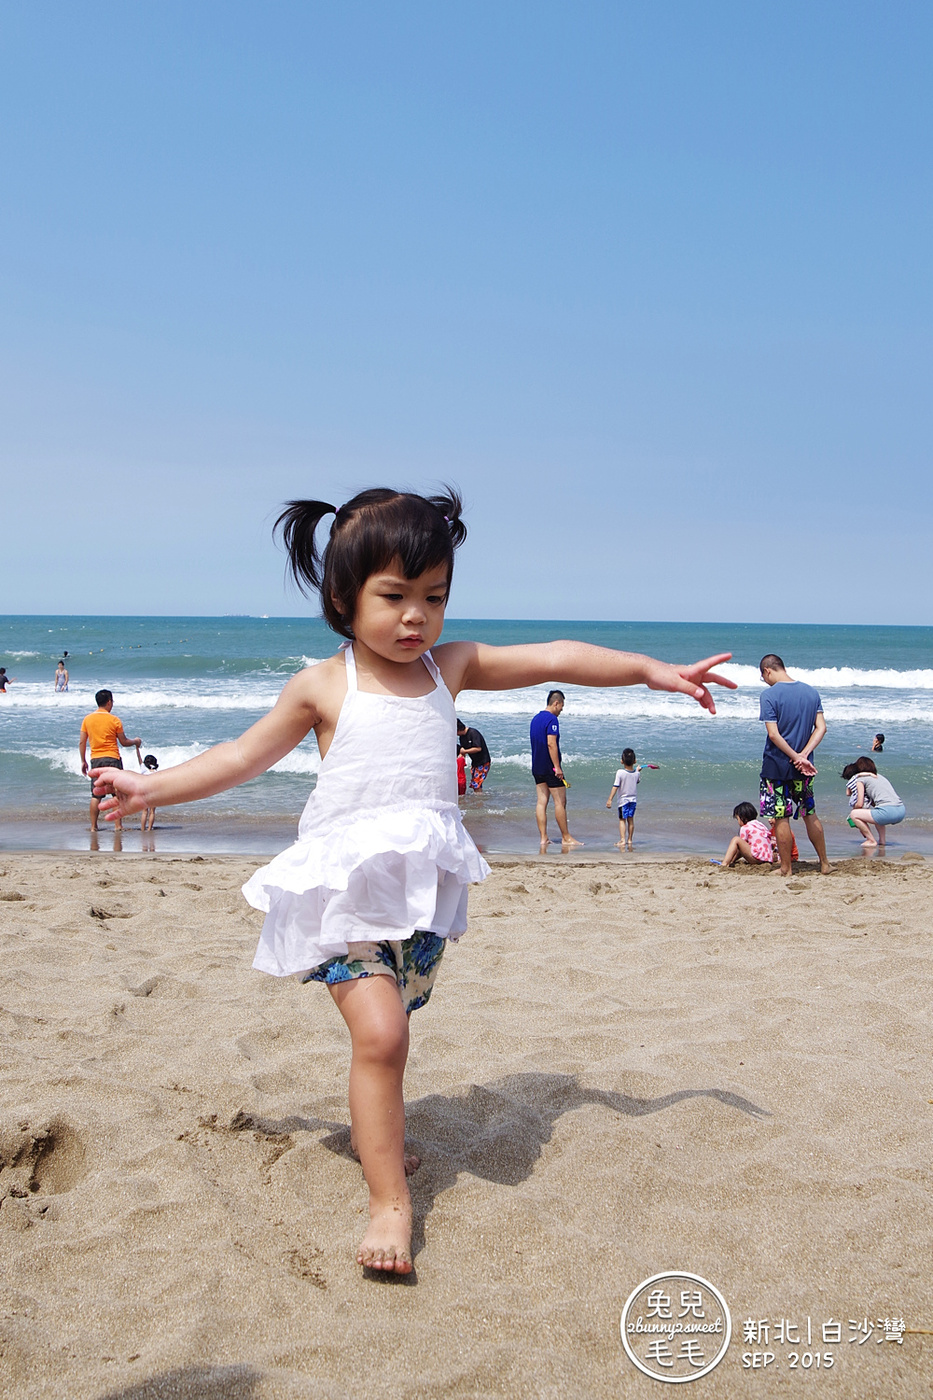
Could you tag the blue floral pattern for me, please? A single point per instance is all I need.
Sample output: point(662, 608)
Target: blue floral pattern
point(413, 962)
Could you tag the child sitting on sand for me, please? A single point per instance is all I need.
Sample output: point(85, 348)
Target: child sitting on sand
point(376, 884)
point(754, 841)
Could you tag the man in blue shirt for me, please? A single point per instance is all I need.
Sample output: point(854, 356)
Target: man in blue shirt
point(547, 771)
point(793, 713)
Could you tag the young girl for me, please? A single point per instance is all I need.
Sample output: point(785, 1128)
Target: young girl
point(369, 894)
point(878, 804)
point(753, 842)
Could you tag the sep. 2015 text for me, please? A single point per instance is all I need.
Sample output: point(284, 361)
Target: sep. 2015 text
point(758, 1360)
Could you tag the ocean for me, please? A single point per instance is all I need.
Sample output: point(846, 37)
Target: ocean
point(183, 684)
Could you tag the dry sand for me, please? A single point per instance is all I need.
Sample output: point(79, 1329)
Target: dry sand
point(624, 1069)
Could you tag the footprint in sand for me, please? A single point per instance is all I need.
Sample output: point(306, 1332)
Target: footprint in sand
point(45, 1159)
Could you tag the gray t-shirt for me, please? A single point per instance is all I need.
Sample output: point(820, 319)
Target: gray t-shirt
point(878, 790)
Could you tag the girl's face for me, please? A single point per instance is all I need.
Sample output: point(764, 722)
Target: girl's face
point(401, 618)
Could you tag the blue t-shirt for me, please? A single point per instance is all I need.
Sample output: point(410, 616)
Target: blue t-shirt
point(793, 706)
point(542, 725)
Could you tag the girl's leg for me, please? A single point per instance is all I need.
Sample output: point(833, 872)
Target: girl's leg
point(732, 852)
point(860, 816)
point(372, 1009)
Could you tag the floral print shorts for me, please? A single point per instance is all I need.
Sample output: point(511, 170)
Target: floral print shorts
point(413, 963)
point(786, 799)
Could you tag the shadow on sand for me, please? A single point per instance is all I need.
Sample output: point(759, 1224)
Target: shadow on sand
point(493, 1131)
point(193, 1383)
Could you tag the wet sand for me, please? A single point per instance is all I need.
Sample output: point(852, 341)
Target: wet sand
point(624, 1069)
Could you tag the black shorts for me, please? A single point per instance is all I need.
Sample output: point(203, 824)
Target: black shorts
point(103, 763)
point(551, 779)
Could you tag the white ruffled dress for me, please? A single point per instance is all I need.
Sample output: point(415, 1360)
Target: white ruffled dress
point(381, 848)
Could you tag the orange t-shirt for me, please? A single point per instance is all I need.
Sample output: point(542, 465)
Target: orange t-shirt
point(102, 730)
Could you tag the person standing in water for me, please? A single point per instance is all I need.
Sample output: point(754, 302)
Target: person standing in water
point(793, 714)
point(547, 771)
point(61, 677)
point(474, 747)
point(104, 731)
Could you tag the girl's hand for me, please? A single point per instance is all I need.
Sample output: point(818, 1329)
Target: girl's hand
point(121, 792)
point(688, 680)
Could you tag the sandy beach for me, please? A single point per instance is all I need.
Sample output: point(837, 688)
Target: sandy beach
point(625, 1069)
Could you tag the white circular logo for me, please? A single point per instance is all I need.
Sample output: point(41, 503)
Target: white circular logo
point(676, 1327)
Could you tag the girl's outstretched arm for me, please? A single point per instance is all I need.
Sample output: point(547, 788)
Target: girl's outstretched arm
point(476, 666)
point(224, 766)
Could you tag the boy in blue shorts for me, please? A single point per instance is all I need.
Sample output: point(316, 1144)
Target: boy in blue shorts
point(624, 793)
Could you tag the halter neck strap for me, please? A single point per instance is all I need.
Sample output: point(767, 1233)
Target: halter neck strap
point(433, 669)
point(350, 662)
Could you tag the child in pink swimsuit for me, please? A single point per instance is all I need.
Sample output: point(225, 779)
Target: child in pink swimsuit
point(753, 842)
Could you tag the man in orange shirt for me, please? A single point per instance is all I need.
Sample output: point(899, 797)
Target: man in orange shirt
point(105, 732)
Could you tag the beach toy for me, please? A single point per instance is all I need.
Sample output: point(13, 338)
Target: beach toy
point(715, 862)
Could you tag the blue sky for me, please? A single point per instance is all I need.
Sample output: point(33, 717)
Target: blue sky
point(651, 282)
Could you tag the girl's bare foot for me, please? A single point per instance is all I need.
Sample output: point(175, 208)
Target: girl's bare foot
point(869, 842)
point(567, 841)
point(386, 1246)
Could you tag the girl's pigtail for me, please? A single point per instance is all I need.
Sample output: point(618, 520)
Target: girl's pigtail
point(297, 523)
point(450, 506)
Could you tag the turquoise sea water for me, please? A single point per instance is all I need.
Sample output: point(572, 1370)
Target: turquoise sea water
point(186, 683)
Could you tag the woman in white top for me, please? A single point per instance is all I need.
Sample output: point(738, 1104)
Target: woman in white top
point(877, 803)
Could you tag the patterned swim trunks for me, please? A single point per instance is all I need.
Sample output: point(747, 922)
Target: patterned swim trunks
point(786, 799)
point(413, 963)
point(478, 776)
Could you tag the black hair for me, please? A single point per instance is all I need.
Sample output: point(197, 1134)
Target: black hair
point(771, 662)
point(369, 533)
point(103, 696)
point(878, 745)
point(745, 812)
point(866, 765)
point(849, 771)
point(553, 694)
point(628, 756)
point(460, 726)
point(150, 761)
